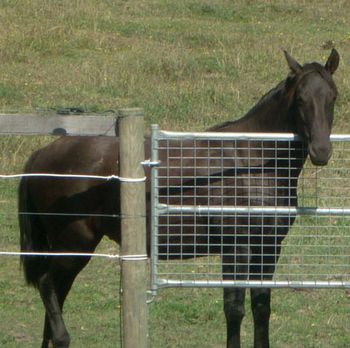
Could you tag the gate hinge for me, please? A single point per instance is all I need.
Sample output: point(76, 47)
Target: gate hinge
point(150, 164)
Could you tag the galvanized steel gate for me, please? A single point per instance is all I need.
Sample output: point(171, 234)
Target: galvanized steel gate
point(191, 198)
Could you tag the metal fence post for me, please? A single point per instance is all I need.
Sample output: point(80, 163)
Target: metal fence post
point(133, 224)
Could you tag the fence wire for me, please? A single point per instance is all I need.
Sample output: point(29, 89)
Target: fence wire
point(8, 210)
point(231, 211)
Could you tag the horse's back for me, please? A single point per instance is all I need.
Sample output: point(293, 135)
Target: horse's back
point(76, 155)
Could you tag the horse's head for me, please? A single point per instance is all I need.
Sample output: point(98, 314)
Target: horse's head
point(313, 97)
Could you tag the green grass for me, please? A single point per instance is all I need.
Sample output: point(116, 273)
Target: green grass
point(190, 64)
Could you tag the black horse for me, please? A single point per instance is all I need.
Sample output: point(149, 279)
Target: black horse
point(303, 103)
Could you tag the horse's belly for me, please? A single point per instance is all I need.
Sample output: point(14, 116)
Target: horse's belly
point(183, 235)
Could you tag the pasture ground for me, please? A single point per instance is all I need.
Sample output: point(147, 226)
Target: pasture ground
point(190, 64)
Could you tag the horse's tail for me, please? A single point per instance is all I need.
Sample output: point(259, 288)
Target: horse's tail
point(32, 236)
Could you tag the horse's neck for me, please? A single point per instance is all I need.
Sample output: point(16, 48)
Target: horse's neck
point(272, 114)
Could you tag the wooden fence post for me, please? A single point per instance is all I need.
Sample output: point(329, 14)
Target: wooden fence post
point(133, 225)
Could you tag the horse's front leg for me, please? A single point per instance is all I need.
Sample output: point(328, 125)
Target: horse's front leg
point(234, 313)
point(263, 268)
point(261, 308)
point(235, 267)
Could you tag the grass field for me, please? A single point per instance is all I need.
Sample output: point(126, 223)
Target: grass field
point(190, 64)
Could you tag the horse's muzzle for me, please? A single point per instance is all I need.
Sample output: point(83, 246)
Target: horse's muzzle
point(320, 154)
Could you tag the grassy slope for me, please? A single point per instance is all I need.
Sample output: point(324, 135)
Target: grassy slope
point(190, 64)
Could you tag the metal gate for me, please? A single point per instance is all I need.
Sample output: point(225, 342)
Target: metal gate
point(204, 234)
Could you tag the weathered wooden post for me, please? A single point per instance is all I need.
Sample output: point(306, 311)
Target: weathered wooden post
point(133, 224)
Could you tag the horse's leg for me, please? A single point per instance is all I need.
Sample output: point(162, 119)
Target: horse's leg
point(260, 302)
point(54, 324)
point(53, 302)
point(234, 313)
point(235, 267)
point(54, 287)
point(47, 332)
point(263, 268)
point(56, 283)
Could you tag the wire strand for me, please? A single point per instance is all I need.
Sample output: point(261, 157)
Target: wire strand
point(140, 257)
point(73, 176)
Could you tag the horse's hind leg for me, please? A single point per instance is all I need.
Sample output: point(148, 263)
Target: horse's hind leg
point(54, 287)
point(47, 332)
point(55, 329)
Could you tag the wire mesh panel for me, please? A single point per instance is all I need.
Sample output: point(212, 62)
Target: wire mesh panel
point(233, 209)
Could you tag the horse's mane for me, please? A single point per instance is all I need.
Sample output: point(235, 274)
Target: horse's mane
point(277, 91)
point(273, 93)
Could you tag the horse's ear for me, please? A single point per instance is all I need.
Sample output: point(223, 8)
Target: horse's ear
point(293, 64)
point(333, 61)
